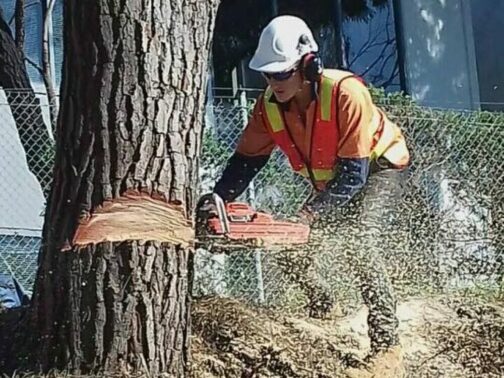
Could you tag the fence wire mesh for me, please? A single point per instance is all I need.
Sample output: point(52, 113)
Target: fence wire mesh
point(448, 238)
point(26, 148)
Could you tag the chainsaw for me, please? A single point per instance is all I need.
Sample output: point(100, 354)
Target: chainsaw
point(220, 226)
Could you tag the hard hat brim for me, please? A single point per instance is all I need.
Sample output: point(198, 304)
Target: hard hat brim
point(271, 67)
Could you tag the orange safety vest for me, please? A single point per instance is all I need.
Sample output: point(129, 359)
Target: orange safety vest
point(325, 133)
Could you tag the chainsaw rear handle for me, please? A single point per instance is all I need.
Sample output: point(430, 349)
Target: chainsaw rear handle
point(240, 212)
point(212, 201)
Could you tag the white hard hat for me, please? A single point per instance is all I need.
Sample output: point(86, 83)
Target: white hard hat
point(282, 43)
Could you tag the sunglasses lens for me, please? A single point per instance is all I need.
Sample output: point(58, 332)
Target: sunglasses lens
point(279, 76)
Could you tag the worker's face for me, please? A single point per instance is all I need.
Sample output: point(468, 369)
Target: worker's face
point(285, 85)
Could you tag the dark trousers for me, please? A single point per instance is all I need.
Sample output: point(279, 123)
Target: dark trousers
point(359, 232)
point(365, 226)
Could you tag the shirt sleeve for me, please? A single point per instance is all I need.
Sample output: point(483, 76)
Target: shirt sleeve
point(355, 117)
point(255, 139)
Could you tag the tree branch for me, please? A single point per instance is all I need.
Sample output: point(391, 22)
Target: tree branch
point(34, 65)
point(20, 29)
point(46, 62)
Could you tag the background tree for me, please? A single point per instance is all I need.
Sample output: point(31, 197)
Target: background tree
point(32, 130)
point(19, 19)
point(47, 9)
point(112, 289)
point(239, 24)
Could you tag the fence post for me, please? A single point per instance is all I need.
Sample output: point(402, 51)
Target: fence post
point(252, 200)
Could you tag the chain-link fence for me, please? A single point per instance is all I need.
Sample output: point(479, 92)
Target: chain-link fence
point(449, 236)
point(26, 150)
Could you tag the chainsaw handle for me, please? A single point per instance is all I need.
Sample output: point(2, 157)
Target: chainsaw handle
point(240, 218)
point(212, 201)
point(221, 213)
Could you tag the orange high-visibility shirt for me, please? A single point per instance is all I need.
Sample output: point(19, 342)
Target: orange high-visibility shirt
point(356, 112)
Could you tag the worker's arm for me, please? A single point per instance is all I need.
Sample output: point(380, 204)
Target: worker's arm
point(354, 148)
point(251, 155)
point(350, 178)
point(237, 175)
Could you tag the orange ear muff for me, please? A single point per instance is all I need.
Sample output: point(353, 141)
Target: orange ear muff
point(306, 60)
point(311, 66)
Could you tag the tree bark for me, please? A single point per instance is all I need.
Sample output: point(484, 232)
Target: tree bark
point(48, 7)
point(113, 287)
point(19, 19)
point(340, 45)
point(25, 108)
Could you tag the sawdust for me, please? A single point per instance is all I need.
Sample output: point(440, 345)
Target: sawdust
point(233, 340)
point(388, 364)
point(473, 339)
point(438, 339)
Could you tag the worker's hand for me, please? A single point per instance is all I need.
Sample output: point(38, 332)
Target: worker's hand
point(205, 210)
point(307, 216)
point(317, 204)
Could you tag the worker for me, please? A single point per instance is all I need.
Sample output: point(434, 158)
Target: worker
point(332, 133)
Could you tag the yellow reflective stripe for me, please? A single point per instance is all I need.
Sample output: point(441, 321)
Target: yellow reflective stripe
point(319, 174)
point(273, 113)
point(326, 98)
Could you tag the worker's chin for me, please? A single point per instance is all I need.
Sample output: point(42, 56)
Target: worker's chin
point(283, 97)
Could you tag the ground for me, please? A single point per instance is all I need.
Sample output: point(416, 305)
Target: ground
point(440, 338)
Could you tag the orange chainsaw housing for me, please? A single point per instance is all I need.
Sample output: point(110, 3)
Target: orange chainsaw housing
point(247, 224)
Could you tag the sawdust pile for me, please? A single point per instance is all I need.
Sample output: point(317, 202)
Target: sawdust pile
point(439, 339)
point(474, 339)
point(233, 340)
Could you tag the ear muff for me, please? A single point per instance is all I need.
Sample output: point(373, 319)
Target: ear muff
point(311, 67)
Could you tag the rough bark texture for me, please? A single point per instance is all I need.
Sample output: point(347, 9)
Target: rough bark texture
point(126, 308)
point(130, 120)
point(19, 19)
point(25, 108)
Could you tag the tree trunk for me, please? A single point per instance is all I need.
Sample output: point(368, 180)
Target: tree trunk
point(341, 61)
point(19, 19)
point(48, 7)
point(113, 287)
point(25, 108)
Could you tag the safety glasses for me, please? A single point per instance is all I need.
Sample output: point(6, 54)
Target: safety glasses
point(279, 76)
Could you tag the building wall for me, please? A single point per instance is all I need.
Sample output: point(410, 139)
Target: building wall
point(33, 38)
point(488, 26)
point(439, 54)
point(371, 49)
point(21, 199)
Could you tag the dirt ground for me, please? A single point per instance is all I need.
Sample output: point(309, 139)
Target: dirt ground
point(440, 338)
point(456, 338)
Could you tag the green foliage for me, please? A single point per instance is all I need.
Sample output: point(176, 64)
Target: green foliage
point(214, 153)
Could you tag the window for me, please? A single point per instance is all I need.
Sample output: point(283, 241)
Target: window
point(371, 49)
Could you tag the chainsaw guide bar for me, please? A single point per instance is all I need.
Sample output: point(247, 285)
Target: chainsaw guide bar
point(238, 225)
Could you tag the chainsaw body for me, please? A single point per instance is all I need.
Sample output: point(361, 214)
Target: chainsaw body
point(237, 223)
